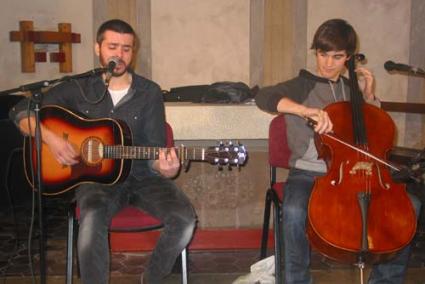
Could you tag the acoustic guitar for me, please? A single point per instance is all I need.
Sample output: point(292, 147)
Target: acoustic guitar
point(105, 152)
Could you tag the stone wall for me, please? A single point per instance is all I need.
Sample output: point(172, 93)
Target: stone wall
point(190, 42)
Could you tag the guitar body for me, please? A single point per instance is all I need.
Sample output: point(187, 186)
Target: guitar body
point(58, 178)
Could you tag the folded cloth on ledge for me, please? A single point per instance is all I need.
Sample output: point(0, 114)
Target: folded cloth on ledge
point(216, 93)
point(262, 272)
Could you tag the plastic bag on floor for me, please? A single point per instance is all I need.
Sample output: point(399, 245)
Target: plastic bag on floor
point(262, 272)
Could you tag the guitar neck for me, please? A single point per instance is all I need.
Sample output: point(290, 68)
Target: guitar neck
point(151, 153)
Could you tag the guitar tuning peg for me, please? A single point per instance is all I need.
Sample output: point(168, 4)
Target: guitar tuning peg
point(230, 143)
point(220, 167)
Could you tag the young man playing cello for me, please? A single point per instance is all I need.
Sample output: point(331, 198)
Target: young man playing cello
point(304, 97)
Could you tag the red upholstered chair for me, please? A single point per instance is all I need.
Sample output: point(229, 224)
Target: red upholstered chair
point(129, 219)
point(278, 158)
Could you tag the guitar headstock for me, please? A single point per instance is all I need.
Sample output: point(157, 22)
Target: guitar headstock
point(226, 154)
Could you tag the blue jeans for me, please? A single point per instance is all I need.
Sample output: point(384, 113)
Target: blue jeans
point(297, 249)
point(156, 195)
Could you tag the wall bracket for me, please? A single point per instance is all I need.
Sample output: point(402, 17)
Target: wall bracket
point(28, 37)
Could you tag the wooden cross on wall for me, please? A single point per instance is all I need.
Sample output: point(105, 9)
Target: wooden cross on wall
point(28, 37)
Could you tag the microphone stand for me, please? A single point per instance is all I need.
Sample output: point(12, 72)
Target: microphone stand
point(416, 72)
point(36, 98)
point(46, 83)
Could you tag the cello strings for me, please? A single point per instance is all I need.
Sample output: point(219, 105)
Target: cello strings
point(363, 152)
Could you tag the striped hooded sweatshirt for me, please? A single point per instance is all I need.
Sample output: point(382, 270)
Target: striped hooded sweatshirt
point(311, 91)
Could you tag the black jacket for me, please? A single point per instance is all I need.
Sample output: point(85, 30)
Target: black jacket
point(142, 109)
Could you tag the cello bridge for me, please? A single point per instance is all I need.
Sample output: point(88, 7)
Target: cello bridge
point(366, 167)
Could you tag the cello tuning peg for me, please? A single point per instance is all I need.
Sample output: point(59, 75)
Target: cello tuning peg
point(360, 57)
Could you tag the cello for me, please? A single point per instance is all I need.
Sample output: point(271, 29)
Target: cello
point(357, 214)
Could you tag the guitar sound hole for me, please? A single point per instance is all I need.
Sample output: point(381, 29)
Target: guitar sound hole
point(92, 151)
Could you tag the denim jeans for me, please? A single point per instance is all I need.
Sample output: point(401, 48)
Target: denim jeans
point(156, 195)
point(296, 245)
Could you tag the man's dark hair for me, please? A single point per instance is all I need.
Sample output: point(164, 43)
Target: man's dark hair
point(334, 35)
point(115, 25)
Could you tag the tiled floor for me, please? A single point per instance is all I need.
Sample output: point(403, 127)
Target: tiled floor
point(205, 266)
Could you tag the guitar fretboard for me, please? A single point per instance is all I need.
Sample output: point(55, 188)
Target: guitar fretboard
point(151, 153)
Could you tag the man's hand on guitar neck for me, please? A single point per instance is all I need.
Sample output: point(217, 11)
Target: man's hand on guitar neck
point(168, 164)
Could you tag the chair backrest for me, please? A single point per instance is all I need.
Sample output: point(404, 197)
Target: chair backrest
point(278, 145)
point(169, 135)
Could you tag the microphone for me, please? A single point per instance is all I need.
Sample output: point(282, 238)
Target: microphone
point(390, 66)
point(112, 63)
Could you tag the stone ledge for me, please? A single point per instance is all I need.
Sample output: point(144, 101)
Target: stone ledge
point(192, 121)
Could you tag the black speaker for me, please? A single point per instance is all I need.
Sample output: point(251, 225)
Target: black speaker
point(13, 184)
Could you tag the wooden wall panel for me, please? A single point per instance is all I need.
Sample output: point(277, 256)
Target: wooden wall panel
point(285, 40)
